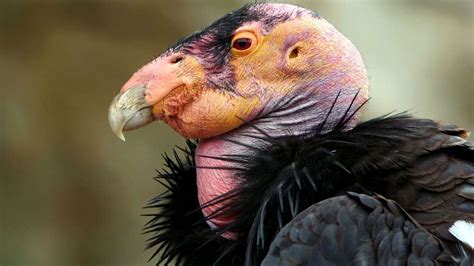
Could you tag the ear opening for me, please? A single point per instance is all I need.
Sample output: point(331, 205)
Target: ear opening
point(294, 53)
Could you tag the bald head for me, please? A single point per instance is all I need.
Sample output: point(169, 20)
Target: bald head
point(243, 66)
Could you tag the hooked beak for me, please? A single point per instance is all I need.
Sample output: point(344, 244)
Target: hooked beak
point(129, 110)
point(132, 107)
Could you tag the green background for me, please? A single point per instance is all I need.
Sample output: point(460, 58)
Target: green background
point(71, 192)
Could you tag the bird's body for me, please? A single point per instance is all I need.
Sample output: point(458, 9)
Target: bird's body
point(283, 173)
point(401, 163)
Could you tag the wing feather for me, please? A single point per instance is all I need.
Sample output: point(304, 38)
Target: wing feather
point(356, 229)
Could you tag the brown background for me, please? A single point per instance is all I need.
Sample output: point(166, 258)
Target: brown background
point(71, 192)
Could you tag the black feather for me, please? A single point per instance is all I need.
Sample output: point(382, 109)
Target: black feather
point(385, 155)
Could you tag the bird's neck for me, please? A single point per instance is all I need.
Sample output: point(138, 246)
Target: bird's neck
point(299, 116)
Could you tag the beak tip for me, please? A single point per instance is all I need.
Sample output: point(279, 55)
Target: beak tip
point(120, 136)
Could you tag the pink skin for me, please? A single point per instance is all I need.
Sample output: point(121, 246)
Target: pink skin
point(156, 77)
point(212, 183)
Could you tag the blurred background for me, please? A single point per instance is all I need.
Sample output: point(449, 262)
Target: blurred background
point(71, 192)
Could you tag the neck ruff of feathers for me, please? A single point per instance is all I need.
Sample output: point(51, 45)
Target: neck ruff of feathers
point(219, 159)
point(272, 187)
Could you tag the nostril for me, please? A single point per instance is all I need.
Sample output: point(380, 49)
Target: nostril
point(176, 59)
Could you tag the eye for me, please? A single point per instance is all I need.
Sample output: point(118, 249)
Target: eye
point(242, 44)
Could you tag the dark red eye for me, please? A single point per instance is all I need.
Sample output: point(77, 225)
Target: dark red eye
point(242, 44)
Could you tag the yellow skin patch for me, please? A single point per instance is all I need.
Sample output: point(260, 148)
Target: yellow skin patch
point(293, 52)
point(196, 111)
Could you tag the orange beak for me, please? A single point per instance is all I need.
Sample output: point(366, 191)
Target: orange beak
point(132, 107)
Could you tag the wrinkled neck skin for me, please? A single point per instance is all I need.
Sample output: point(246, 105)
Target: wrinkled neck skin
point(296, 115)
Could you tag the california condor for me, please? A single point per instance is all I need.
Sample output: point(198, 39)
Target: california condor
point(281, 171)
